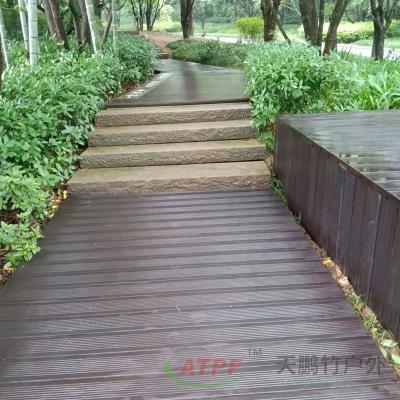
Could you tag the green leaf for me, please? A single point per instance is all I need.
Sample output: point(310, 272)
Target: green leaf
point(395, 359)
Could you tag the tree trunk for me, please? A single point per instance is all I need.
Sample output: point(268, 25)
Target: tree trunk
point(191, 23)
point(33, 32)
point(187, 17)
point(3, 37)
point(337, 15)
point(378, 46)
point(185, 29)
point(114, 25)
point(107, 30)
point(58, 23)
point(50, 19)
point(269, 10)
point(92, 25)
point(97, 8)
point(309, 17)
point(24, 24)
point(85, 29)
point(77, 19)
point(149, 14)
point(321, 20)
point(1, 64)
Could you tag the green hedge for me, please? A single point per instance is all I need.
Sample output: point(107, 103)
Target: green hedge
point(45, 116)
point(354, 36)
point(212, 52)
point(251, 28)
point(367, 32)
point(290, 79)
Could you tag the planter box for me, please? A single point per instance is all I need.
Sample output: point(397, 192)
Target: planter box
point(341, 172)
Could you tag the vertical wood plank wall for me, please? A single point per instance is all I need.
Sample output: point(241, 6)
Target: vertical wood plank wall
point(353, 219)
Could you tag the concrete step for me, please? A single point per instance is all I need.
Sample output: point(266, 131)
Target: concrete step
point(173, 153)
point(163, 55)
point(172, 133)
point(253, 174)
point(172, 114)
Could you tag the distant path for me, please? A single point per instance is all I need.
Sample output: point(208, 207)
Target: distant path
point(364, 51)
point(162, 39)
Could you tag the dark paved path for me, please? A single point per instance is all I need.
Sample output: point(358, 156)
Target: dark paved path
point(182, 83)
point(127, 290)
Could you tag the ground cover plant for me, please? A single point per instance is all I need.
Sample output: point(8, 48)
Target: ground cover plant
point(212, 52)
point(46, 113)
point(291, 79)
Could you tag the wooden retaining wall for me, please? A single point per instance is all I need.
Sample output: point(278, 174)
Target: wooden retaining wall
point(347, 212)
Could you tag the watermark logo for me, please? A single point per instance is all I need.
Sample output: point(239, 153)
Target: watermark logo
point(203, 372)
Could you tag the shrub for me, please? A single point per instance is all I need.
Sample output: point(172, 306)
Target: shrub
point(46, 112)
point(352, 32)
point(45, 116)
point(291, 79)
point(137, 57)
point(173, 27)
point(351, 37)
point(20, 241)
point(364, 30)
point(251, 28)
point(394, 29)
point(284, 79)
point(210, 52)
point(22, 194)
point(380, 89)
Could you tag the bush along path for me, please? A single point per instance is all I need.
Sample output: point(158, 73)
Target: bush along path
point(45, 116)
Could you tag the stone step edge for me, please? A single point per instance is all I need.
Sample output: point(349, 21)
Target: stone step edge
point(251, 174)
point(172, 114)
point(172, 133)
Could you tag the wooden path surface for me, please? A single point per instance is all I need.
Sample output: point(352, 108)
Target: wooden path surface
point(126, 290)
point(185, 83)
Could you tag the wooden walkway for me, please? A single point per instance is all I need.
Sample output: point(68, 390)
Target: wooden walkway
point(185, 83)
point(128, 290)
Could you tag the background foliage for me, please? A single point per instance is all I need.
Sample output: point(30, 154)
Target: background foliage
point(45, 116)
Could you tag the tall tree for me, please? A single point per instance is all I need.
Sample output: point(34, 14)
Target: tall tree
point(269, 10)
point(24, 23)
point(49, 17)
point(204, 9)
point(138, 11)
point(187, 17)
point(92, 24)
point(55, 22)
point(114, 25)
point(77, 19)
point(152, 12)
point(383, 12)
point(336, 17)
point(85, 28)
point(309, 16)
point(3, 37)
point(33, 32)
point(1, 64)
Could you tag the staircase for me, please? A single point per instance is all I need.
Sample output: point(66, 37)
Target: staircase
point(172, 148)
